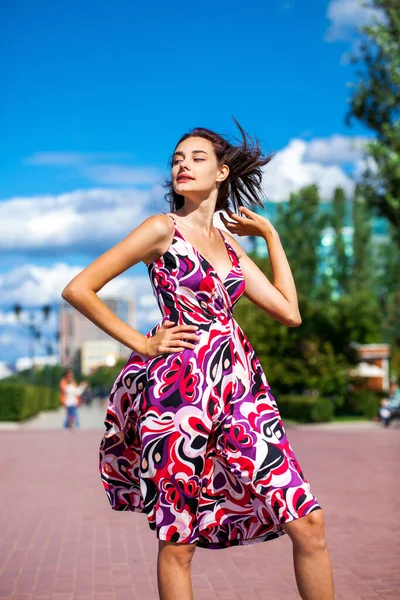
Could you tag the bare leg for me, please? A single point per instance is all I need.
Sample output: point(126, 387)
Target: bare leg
point(311, 558)
point(173, 570)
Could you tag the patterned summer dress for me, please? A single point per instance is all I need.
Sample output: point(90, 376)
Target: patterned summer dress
point(194, 439)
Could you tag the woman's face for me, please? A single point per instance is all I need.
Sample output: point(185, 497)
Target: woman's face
point(195, 158)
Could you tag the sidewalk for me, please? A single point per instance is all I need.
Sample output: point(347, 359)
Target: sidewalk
point(92, 417)
point(60, 540)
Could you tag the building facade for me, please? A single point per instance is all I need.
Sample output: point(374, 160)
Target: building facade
point(379, 234)
point(76, 329)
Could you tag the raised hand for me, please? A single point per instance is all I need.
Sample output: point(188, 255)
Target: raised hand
point(250, 224)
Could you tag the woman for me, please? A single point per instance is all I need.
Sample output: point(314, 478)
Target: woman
point(194, 437)
point(70, 397)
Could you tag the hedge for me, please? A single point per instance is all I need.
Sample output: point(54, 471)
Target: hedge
point(361, 403)
point(305, 409)
point(19, 401)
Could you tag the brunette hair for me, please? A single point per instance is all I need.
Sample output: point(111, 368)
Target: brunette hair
point(243, 184)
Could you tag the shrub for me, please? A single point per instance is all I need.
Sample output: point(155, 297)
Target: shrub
point(305, 409)
point(19, 401)
point(360, 402)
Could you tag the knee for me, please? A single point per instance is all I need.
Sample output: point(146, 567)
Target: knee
point(178, 554)
point(308, 532)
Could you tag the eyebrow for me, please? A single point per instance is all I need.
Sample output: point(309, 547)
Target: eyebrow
point(193, 151)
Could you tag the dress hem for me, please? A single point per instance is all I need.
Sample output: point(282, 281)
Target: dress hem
point(222, 545)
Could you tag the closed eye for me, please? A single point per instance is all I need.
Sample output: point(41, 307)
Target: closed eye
point(177, 161)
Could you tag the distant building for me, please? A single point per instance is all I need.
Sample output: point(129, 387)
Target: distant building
point(98, 354)
point(373, 365)
point(379, 234)
point(76, 329)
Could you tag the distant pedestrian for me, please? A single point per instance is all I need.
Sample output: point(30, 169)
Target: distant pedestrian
point(390, 407)
point(70, 397)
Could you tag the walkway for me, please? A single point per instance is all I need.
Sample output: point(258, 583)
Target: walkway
point(60, 540)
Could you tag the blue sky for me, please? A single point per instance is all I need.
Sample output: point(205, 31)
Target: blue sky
point(95, 96)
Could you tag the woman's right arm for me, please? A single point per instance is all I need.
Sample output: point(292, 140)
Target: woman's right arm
point(146, 243)
point(61, 387)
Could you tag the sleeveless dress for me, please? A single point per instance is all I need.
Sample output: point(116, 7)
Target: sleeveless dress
point(194, 439)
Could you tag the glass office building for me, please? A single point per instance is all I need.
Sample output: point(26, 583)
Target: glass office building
point(379, 234)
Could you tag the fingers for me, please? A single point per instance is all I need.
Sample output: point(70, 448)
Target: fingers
point(245, 212)
point(185, 340)
point(233, 215)
point(225, 221)
point(179, 334)
point(181, 345)
point(168, 323)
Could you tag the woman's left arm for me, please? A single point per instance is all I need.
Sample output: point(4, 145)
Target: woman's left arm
point(278, 300)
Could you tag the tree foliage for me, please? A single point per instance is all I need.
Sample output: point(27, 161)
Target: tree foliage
point(376, 103)
point(299, 223)
point(318, 354)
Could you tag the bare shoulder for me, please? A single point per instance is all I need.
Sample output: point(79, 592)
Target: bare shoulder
point(159, 230)
point(147, 242)
point(234, 243)
point(161, 223)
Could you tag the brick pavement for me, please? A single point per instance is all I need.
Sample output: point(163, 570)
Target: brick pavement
point(60, 540)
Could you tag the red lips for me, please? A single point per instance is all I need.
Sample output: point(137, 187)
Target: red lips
point(182, 177)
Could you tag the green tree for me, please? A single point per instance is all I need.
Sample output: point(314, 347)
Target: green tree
point(340, 260)
point(376, 103)
point(387, 284)
point(300, 223)
point(362, 262)
point(296, 359)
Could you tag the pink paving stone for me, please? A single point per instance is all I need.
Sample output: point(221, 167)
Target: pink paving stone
point(43, 579)
point(23, 587)
point(371, 597)
point(123, 591)
point(77, 532)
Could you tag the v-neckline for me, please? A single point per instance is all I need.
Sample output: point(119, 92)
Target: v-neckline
point(200, 256)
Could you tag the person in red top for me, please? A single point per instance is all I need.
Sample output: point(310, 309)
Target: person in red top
point(70, 397)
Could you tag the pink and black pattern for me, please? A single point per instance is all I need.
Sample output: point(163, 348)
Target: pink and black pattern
point(194, 439)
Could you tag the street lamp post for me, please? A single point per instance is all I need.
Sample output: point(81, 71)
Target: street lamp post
point(34, 332)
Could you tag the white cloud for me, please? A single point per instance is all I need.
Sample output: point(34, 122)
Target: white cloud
point(83, 220)
point(347, 17)
point(303, 163)
point(91, 221)
point(88, 221)
point(337, 149)
point(364, 163)
point(33, 285)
